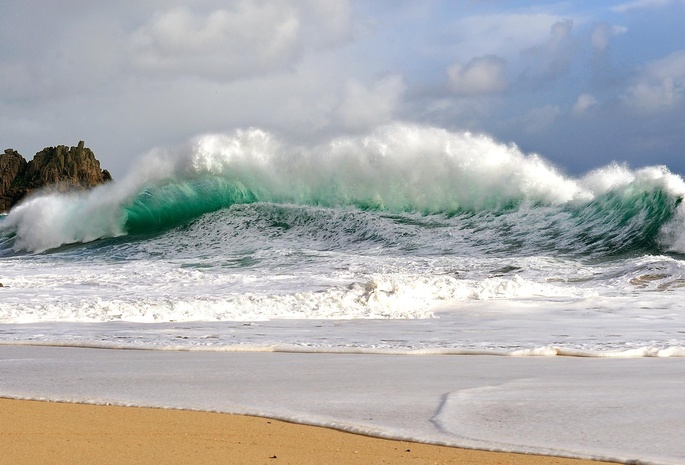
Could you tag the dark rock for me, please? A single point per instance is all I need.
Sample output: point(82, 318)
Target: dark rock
point(58, 168)
point(12, 170)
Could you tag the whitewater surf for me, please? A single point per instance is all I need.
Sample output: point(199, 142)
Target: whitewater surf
point(405, 239)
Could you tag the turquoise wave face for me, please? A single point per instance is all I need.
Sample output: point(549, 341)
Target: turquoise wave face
point(618, 222)
point(615, 223)
point(507, 199)
point(162, 207)
point(624, 221)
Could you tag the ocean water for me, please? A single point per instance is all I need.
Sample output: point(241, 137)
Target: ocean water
point(408, 239)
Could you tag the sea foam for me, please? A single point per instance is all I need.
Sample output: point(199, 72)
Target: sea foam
point(396, 168)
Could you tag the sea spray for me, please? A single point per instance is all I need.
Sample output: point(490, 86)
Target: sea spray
point(43, 222)
point(456, 242)
point(398, 168)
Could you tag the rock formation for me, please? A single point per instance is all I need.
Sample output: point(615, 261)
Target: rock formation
point(12, 169)
point(59, 168)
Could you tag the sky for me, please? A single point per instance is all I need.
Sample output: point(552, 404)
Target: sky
point(582, 83)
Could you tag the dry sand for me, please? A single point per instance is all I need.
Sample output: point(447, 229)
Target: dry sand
point(33, 432)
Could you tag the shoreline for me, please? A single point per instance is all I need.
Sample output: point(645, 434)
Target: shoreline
point(36, 431)
point(615, 410)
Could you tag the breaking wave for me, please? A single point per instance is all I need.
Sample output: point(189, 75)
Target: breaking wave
point(410, 174)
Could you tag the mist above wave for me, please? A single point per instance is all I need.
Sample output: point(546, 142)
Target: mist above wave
point(394, 168)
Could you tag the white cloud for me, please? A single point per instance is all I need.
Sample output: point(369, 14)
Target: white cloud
point(639, 4)
point(504, 35)
point(561, 30)
point(660, 87)
point(583, 104)
point(538, 48)
point(57, 57)
point(234, 42)
point(325, 22)
point(602, 34)
point(539, 119)
point(552, 59)
point(244, 39)
point(482, 75)
point(309, 68)
point(363, 107)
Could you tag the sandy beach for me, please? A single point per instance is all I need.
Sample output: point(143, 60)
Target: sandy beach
point(81, 406)
point(34, 432)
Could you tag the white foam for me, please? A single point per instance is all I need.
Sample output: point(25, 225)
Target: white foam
point(396, 167)
point(145, 291)
point(625, 410)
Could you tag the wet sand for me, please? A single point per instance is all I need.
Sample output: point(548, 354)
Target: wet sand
point(34, 432)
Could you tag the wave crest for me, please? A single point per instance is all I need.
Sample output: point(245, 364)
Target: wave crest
point(396, 168)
